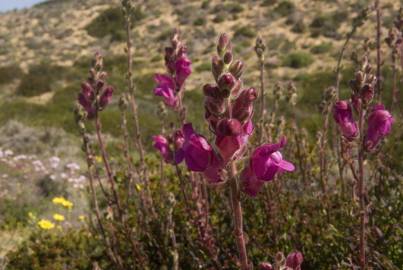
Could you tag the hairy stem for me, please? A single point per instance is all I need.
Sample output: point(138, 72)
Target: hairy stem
point(238, 220)
point(361, 191)
point(378, 50)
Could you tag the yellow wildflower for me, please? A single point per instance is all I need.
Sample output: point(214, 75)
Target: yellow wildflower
point(46, 224)
point(62, 201)
point(31, 216)
point(98, 159)
point(81, 217)
point(58, 217)
point(138, 187)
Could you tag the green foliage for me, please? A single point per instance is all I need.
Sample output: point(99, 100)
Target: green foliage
point(111, 22)
point(327, 24)
point(58, 250)
point(39, 79)
point(298, 59)
point(199, 21)
point(324, 47)
point(245, 31)
point(9, 73)
point(284, 8)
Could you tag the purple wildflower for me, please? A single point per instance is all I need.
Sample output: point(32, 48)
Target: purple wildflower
point(265, 163)
point(379, 125)
point(294, 260)
point(343, 116)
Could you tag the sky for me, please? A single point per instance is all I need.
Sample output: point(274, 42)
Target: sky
point(6, 5)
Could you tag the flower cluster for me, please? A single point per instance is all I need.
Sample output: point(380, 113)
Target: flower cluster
point(178, 69)
point(228, 110)
point(95, 94)
point(379, 120)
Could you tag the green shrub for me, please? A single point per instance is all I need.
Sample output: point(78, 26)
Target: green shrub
point(268, 3)
point(199, 21)
point(322, 48)
point(39, 79)
point(298, 59)
point(72, 249)
point(111, 22)
point(9, 73)
point(245, 31)
point(327, 24)
point(284, 8)
point(234, 8)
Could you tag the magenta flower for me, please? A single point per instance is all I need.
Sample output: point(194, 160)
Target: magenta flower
point(106, 97)
point(294, 260)
point(166, 89)
point(162, 145)
point(182, 71)
point(265, 266)
point(265, 163)
point(343, 116)
point(232, 136)
point(86, 99)
point(199, 155)
point(178, 70)
point(379, 125)
point(197, 151)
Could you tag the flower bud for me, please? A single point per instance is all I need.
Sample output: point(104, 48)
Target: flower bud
point(367, 93)
point(228, 127)
point(294, 260)
point(223, 43)
point(359, 77)
point(236, 69)
point(226, 82)
point(211, 90)
point(265, 266)
point(228, 58)
point(215, 106)
point(242, 107)
point(106, 97)
point(217, 67)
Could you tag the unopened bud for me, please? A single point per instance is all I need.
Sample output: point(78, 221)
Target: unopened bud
point(215, 106)
point(229, 127)
point(226, 81)
point(236, 69)
point(242, 108)
point(367, 93)
point(211, 90)
point(217, 67)
point(223, 42)
point(265, 266)
point(228, 58)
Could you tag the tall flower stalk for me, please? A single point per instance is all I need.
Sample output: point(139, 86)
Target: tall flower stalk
point(374, 123)
point(229, 111)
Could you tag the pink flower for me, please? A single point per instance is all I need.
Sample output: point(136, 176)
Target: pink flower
point(265, 162)
point(242, 108)
point(294, 260)
point(197, 150)
point(162, 145)
point(182, 70)
point(166, 89)
point(379, 125)
point(265, 266)
point(106, 97)
point(199, 155)
point(86, 99)
point(232, 137)
point(343, 116)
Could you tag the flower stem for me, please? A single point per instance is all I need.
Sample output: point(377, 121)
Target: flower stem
point(238, 222)
point(361, 191)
